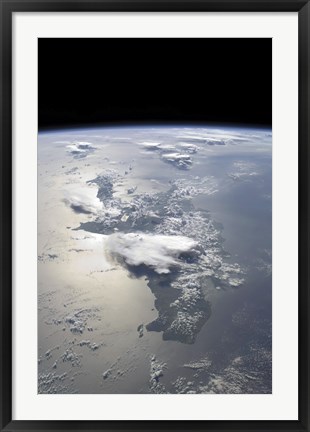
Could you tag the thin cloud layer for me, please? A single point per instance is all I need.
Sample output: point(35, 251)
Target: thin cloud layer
point(243, 170)
point(150, 145)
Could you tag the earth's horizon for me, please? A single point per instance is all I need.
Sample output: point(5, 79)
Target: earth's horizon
point(154, 260)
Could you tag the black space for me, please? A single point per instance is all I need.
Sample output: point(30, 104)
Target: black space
point(109, 81)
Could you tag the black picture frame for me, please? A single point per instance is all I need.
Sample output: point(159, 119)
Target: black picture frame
point(8, 7)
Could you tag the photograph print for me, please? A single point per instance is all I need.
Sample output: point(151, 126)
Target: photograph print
point(154, 216)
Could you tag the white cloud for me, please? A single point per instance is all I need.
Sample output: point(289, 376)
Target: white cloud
point(243, 170)
point(214, 141)
point(82, 201)
point(203, 140)
point(175, 153)
point(218, 137)
point(167, 148)
point(150, 145)
point(72, 148)
point(80, 148)
point(159, 252)
point(182, 161)
point(190, 148)
point(85, 145)
point(192, 138)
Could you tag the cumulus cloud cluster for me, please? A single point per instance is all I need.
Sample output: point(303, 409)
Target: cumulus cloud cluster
point(81, 202)
point(190, 148)
point(182, 161)
point(171, 153)
point(179, 149)
point(160, 252)
point(80, 149)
